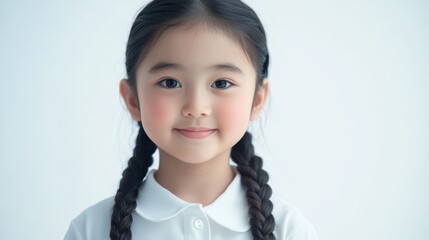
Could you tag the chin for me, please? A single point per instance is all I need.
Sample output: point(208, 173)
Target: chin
point(194, 159)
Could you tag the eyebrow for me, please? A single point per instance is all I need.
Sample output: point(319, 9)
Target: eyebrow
point(166, 65)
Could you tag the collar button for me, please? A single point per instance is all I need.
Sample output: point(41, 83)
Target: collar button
point(198, 223)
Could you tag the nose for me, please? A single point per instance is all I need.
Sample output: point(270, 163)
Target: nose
point(196, 104)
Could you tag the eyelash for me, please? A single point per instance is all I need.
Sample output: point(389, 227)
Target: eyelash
point(228, 83)
point(163, 83)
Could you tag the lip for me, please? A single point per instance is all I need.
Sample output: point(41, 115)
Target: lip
point(195, 133)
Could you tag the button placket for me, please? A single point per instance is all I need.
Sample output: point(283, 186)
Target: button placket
point(196, 224)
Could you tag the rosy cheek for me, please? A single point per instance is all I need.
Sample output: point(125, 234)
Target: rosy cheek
point(159, 109)
point(156, 109)
point(234, 111)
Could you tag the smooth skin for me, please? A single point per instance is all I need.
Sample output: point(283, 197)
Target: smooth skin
point(196, 96)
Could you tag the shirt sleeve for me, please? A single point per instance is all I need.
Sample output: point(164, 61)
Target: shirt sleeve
point(73, 233)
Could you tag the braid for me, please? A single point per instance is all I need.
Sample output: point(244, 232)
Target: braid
point(258, 191)
point(132, 177)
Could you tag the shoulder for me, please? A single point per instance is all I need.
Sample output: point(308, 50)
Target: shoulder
point(291, 224)
point(93, 222)
point(96, 212)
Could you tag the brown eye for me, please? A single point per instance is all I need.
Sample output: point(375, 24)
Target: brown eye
point(221, 84)
point(170, 83)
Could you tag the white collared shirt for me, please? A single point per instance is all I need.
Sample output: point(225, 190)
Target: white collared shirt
point(161, 215)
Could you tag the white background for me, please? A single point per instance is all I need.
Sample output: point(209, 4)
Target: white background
point(345, 137)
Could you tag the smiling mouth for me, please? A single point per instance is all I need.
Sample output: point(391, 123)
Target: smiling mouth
point(195, 133)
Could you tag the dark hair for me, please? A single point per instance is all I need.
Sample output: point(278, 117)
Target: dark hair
point(240, 22)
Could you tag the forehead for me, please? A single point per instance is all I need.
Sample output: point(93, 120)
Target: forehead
point(196, 47)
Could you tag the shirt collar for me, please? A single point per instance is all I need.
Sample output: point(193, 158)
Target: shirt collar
point(230, 209)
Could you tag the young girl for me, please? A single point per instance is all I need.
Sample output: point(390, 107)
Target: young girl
point(197, 74)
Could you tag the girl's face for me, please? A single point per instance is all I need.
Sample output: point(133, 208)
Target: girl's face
point(196, 90)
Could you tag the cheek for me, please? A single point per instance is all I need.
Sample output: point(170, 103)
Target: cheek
point(235, 111)
point(155, 109)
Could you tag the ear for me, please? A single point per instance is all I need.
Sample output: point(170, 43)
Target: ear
point(130, 99)
point(260, 99)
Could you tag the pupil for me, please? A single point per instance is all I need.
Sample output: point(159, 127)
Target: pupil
point(171, 83)
point(221, 84)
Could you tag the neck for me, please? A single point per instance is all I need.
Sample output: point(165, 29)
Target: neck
point(195, 182)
